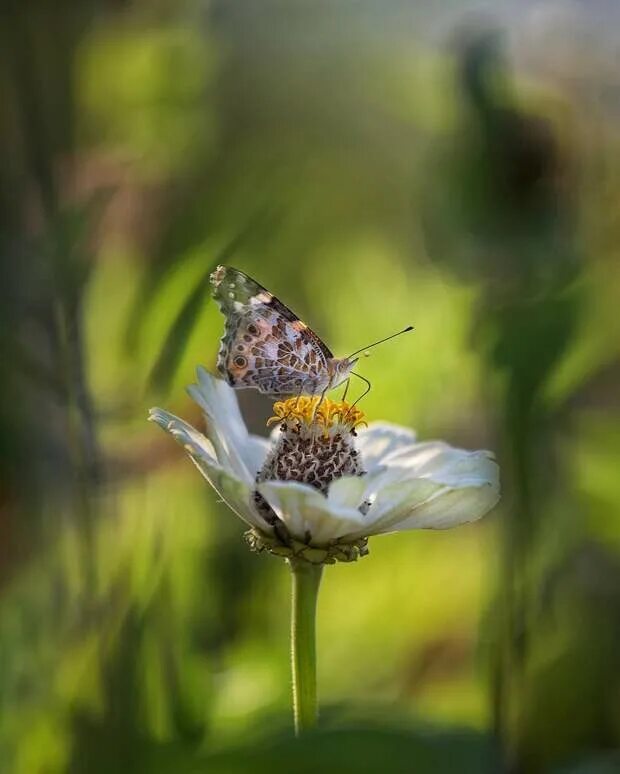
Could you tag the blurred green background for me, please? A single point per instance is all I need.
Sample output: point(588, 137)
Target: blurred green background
point(375, 165)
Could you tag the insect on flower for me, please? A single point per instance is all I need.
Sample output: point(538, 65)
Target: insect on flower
point(266, 346)
point(325, 482)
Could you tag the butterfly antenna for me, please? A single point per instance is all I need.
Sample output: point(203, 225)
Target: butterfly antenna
point(387, 338)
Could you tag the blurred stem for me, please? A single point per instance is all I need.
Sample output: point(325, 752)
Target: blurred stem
point(305, 589)
point(80, 427)
point(79, 402)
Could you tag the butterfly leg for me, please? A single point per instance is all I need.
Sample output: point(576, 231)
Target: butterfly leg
point(299, 394)
point(297, 399)
point(318, 405)
point(366, 391)
point(346, 389)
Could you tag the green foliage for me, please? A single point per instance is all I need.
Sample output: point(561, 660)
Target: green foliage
point(371, 179)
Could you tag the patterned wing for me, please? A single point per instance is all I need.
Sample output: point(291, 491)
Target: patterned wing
point(265, 345)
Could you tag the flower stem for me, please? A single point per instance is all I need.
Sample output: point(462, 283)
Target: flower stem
point(306, 579)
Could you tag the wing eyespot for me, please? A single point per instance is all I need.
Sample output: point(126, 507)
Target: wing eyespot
point(240, 361)
point(253, 329)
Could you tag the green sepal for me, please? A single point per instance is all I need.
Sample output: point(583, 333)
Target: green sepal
point(334, 552)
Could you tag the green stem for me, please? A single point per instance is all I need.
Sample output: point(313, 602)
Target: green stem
point(306, 580)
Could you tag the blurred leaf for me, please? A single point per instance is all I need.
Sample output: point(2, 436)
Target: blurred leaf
point(66, 244)
point(604, 764)
point(363, 749)
point(173, 347)
point(171, 352)
point(366, 750)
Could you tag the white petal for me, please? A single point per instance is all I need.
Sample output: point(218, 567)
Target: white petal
point(255, 451)
point(395, 502)
point(237, 495)
point(305, 510)
point(191, 439)
point(379, 440)
point(451, 507)
point(233, 491)
point(347, 492)
point(352, 491)
point(453, 487)
point(236, 450)
point(442, 463)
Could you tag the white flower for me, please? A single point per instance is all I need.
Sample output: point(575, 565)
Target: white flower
point(345, 482)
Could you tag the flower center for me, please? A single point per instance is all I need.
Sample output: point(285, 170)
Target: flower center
point(317, 415)
point(316, 444)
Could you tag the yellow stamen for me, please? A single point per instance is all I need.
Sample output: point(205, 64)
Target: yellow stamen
point(312, 411)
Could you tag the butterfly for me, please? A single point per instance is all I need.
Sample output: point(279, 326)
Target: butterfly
point(266, 346)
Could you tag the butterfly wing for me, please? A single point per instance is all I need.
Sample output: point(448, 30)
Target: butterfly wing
point(265, 345)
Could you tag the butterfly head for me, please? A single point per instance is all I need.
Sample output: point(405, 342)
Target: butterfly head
point(340, 370)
